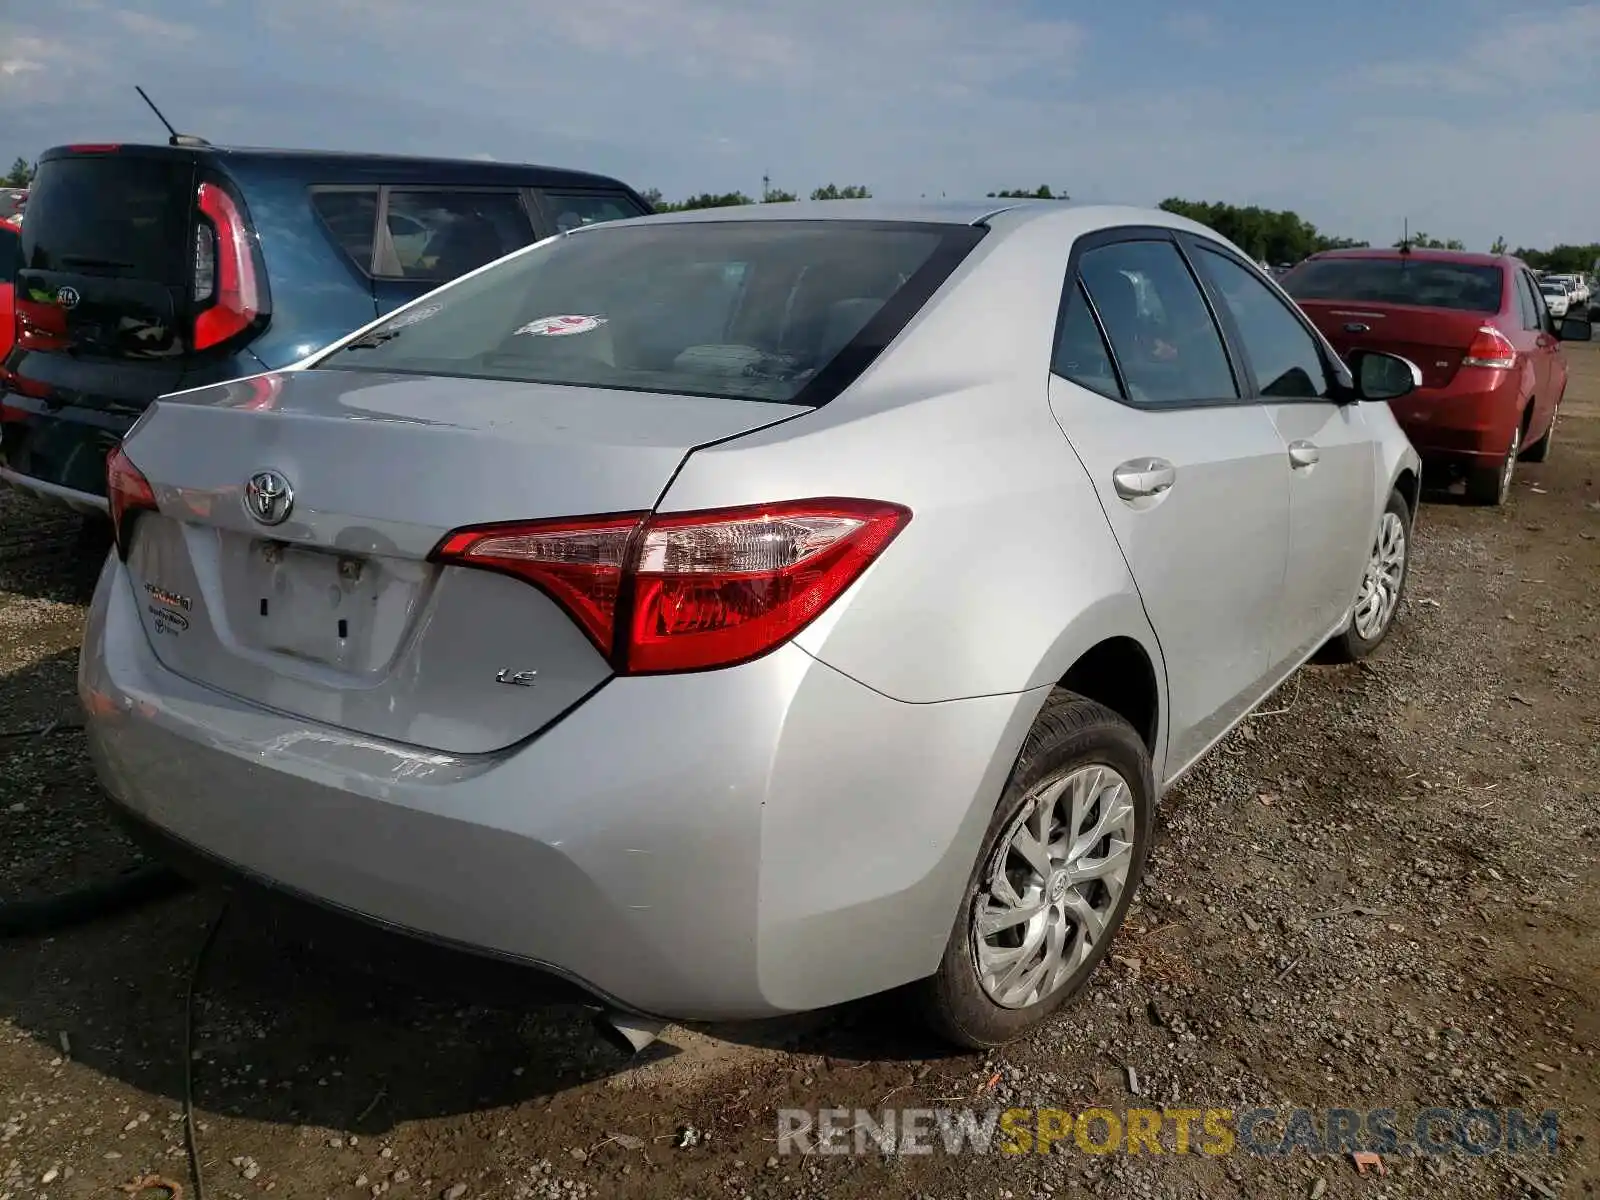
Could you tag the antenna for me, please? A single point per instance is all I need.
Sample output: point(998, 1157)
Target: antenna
point(177, 139)
point(1405, 236)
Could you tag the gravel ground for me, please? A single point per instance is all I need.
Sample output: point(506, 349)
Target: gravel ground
point(1381, 892)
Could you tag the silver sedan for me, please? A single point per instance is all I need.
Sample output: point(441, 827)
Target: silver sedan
point(740, 612)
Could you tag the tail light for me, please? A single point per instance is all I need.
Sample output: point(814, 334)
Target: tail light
point(129, 492)
point(690, 591)
point(1490, 348)
point(225, 283)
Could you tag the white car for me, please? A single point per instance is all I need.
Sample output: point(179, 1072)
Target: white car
point(1556, 298)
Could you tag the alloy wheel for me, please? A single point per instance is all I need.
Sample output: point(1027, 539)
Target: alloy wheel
point(1380, 587)
point(1511, 463)
point(1053, 885)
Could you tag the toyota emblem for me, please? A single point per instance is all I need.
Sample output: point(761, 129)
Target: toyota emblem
point(67, 297)
point(268, 497)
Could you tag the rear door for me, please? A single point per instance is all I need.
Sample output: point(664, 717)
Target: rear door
point(1191, 472)
point(102, 298)
point(1328, 448)
point(1539, 346)
point(427, 236)
point(1549, 347)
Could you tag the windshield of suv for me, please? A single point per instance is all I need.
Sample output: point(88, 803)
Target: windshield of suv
point(753, 310)
point(1464, 286)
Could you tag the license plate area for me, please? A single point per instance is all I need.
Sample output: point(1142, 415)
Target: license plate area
point(322, 606)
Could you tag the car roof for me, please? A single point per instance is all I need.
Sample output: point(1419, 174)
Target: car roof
point(1462, 257)
point(939, 212)
point(333, 166)
point(1006, 214)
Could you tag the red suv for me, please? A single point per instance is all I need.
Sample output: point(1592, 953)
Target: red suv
point(1493, 373)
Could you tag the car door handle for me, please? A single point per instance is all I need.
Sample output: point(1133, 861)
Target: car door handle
point(1303, 454)
point(1141, 478)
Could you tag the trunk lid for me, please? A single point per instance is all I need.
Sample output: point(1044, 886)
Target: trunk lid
point(335, 615)
point(1436, 339)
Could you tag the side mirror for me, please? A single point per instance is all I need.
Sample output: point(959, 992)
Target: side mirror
point(1381, 376)
point(1575, 329)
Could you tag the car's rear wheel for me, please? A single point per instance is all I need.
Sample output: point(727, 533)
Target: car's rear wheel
point(1059, 866)
point(1540, 451)
point(1492, 485)
point(1382, 586)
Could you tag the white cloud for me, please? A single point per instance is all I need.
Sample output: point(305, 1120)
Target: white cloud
point(157, 28)
point(1521, 52)
point(1195, 27)
point(911, 97)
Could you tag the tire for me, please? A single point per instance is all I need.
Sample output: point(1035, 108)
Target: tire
point(1492, 485)
point(1540, 451)
point(1354, 643)
point(1070, 739)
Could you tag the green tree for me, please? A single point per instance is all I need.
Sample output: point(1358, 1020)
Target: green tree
point(1562, 259)
point(1423, 241)
point(835, 192)
point(1264, 234)
point(778, 196)
point(21, 174)
point(652, 197)
point(1498, 247)
point(1042, 192)
point(713, 200)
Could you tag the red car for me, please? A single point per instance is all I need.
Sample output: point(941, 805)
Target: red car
point(1493, 373)
point(10, 260)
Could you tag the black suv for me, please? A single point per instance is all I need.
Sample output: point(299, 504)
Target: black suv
point(147, 269)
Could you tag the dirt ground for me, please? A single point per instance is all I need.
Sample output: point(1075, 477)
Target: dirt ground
point(1382, 892)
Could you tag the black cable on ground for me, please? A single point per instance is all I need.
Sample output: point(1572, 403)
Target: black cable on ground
point(137, 885)
point(190, 1141)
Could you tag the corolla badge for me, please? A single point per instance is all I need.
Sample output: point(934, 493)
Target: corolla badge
point(268, 497)
point(67, 297)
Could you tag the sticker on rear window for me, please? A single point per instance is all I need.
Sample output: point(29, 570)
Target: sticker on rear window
point(564, 326)
point(415, 317)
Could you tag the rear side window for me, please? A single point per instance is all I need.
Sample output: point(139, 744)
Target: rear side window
point(438, 235)
point(1160, 329)
point(1081, 354)
point(351, 215)
point(1466, 287)
point(568, 211)
point(1527, 302)
point(786, 311)
point(118, 216)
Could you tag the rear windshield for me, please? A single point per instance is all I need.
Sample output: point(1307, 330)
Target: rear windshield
point(758, 310)
point(123, 217)
point(1462, 286)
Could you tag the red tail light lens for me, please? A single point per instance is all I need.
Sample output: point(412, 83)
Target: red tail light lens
point(224, 271)
point(699, 590)
point(1490, 348)
point(578, 564)
point(129, 492)
point(715, 588)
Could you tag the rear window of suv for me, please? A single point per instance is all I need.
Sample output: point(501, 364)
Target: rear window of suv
point(1464, 286)
point(757, 310)
point(112, 215)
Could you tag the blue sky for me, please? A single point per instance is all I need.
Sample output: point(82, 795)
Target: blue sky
point(1472, 119)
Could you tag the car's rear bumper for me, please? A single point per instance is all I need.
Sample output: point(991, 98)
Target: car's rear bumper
point(60, 453)
point(737, 843)
point(1469, 421)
